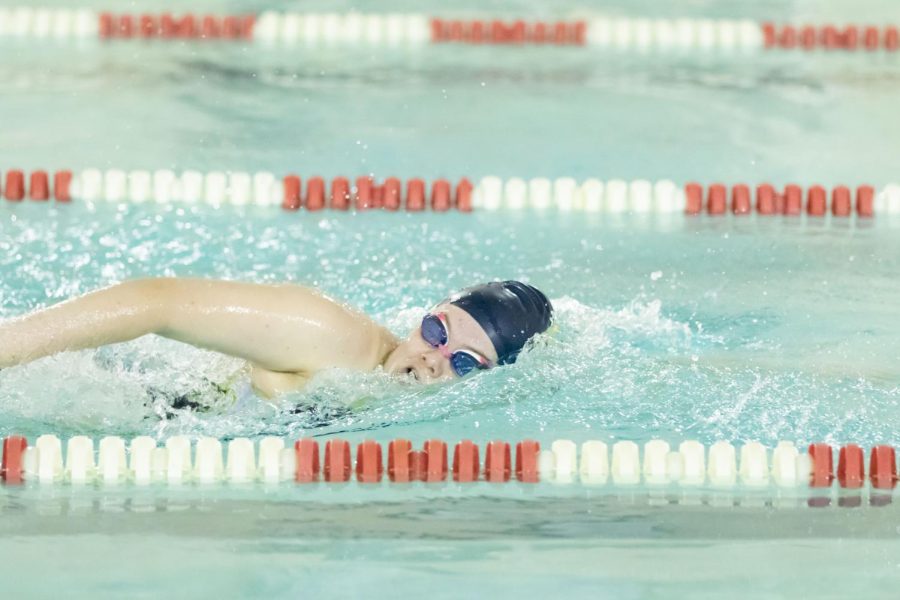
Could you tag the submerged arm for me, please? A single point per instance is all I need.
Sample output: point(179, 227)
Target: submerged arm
point(282, 328)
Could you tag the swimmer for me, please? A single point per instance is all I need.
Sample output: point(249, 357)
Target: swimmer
point(287, 333)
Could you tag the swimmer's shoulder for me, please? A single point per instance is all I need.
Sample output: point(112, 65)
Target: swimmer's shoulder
point(354, 337)
point(346, 338)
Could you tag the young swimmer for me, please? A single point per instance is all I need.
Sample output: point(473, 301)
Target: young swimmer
point(287, 333)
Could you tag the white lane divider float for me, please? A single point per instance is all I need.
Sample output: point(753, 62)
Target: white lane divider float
point(50, 459)
point(656, 468)
point(178, 459)
point(112, 465)
point(566, 194)
point(594, 469)
point(693, 462)
point(142, 459)
point(240, 466)
point(80, 459)
point(754, 465)
point(565, 460)
point(270, 449)
point(785, 462)
point(208, 466)
point(625, 465)
point(722, 469)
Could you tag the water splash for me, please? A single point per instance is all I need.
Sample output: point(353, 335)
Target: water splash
point(630, 371)
point(712, 352)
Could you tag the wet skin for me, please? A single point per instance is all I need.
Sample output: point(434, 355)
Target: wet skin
point(286, 333)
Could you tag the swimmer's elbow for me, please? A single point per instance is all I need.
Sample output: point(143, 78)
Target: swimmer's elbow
point(156, 300)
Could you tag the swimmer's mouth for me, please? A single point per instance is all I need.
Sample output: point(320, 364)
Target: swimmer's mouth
point(410, 371)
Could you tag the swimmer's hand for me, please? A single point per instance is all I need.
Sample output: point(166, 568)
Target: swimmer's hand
point(286, 332)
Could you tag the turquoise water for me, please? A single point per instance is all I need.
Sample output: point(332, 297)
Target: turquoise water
point(762, 330)
point(750, 329)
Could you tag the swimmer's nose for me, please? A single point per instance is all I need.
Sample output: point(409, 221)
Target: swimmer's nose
point(432, 362)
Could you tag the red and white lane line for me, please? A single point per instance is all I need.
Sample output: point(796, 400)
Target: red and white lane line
point(292, 192)
point(218, 188)
point(272, 27)
point(617, 196)
point(142, 461)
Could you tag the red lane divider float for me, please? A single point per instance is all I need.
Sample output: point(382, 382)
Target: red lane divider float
point(306, 453)
point(560, 33)
point(830, 37)
point(369, 465)
point(11, 468)
point(367, 193)
point(167, 26)
point(465, 462)
point(435, 461)
point(419, 465)
point(38, 188)
point(527, 461)
point(497, 464)
point(822, 462)
point(883, 467)
point(851, 466)
point(716, 200)
point(337, 461)
point(400, 467)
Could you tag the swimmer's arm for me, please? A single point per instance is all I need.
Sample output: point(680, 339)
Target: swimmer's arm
point(269, 384)
point(115, 314)
point(280, 328)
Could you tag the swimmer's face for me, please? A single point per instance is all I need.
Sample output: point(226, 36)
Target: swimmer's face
point(417, 358)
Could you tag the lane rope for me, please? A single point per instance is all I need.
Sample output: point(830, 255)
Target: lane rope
point(287, 28)
point(292, 192)
point(142, 461)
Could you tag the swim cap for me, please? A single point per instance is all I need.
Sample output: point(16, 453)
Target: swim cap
point(510, 312)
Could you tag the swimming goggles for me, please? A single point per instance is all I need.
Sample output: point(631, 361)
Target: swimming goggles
point(434, 332)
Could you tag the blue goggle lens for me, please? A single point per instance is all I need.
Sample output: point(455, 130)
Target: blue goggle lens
point(433, 331)
point(463, 363)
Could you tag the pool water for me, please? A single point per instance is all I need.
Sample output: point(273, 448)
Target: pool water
point(700, 328)
point(675, 328)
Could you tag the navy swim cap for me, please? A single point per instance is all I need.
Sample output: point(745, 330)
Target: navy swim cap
point(510, 312)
